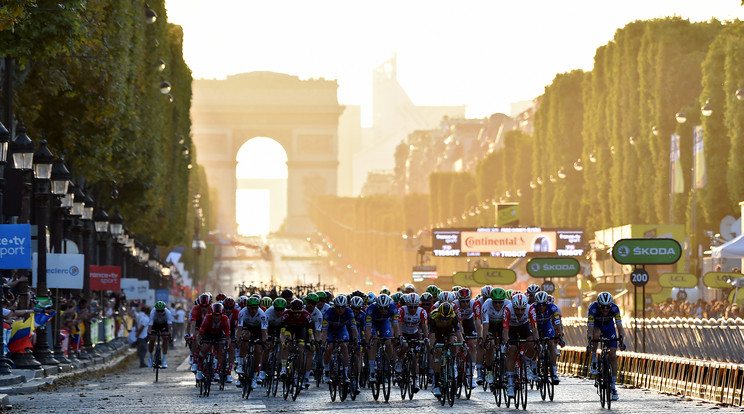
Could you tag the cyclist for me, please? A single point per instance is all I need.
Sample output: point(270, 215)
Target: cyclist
point(232, 313)
point(549, 325)
point(311, 305)
point(338, 323)
point(370, 299)
point(379, 317)
point(196, 316)
point(215, 327)
point(385, 291)
point(531, 292)
point(468, 310)
point(252, 324)
point(274, 319)
point(443, 326)
point(521, 326)
point(161, 320)
point(604, 315)
point(297, 324)
point(413, 324)
point(427, 302)
point(287, 295)
point(495, 316)
point(265, 303)
point(509, 293)
point(322, 302)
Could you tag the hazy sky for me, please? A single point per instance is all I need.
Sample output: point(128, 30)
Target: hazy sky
point(481, 53)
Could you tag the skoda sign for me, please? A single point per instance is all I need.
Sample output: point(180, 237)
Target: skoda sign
point(646, 251)
point(553, 267)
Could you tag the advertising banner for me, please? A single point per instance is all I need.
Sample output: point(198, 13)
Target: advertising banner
point(486, 276)
point(553, 267)
point(105, 277)
point(128, 286)
point(162, 294)
point(678, 280)
point(720, 280)
point(646, 251)
point(507, 242)
point(464, 279)
point(64, 271)
point(138, 289)
point(15, 246)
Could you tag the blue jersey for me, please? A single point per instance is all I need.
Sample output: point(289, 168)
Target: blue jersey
point(550, 314)
point(361, 319)
point(375, 317)
point(596, 318)
point(334, 321)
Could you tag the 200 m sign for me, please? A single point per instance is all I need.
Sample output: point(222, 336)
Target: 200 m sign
point(639, 277)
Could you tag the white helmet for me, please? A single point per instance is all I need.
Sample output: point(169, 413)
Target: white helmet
point(519, 301)
point(542, 298)
point(413, 299)
point(486, 291)
point(442, 297)
point(356, 302)
point(604, 299)
point(451, 297)
point(340, 301)
point(533, 288)
point(383, 301)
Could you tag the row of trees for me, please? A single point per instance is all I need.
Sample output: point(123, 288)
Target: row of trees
point(600, 152)
point(88, 79)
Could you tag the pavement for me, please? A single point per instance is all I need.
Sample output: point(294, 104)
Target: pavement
point(25, 381)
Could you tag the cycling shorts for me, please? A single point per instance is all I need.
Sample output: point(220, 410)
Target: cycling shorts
point(412, 337)
point(338, 334)
point(496, 329)
point(608, 331)
point(215, 337)
point(159, 327)
point(520, 332)
point(442, 335)
point(274, 331)
point(297, 332)
point(382, 330)
point(468, 327)
point(254, 331)
point(547, 330)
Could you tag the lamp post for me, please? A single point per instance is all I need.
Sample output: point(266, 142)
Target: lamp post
point(63, 190)
point(43, 160)
point(4, 140)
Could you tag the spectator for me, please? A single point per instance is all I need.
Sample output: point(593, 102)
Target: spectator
point(142, 320)
point(178, 324)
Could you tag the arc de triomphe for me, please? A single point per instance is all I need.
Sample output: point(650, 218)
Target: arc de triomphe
point(302, 115)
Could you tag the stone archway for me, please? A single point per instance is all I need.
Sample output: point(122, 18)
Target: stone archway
point(302, 115)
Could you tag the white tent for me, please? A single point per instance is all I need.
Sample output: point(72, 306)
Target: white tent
point(733, 249)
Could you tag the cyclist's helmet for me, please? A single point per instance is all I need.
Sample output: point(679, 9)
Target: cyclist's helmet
point(498, 294)
point(413, 299)
point(321, 295)
point(217, 308)
point(329, 295)
point(426, 297)
point(371, 298)
point(486, 291)
point(210, 295)
point(385, 291)
point(252, 301)
point(220, 297)
point(287, 294)
point(551, 299)
point(519, 301)
point(463, 294)
point(340, 301)
point(229, 302)
point(242, 301)
point(409, 287)
point(442, 297)
point(280, 304)
point(257, 296)
point(266, 302)
point(451, 298)
point(312, 298)
point(532, 289)
point(296, 305)
point(160, 305)
point(456, 288)
point(604, 299)
point(541, 298)
point(509, 293)
point(357, 293)
point(383, 301)
point(433, 290)
point(356, 302)
point(396, 297)
point(446, 310)
point(203, 299)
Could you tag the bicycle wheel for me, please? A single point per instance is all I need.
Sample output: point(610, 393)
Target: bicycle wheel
point(411, 373)
point(549, 376)
point(387, 377)
point(268, 371)
point(334, 379)
point(288, 379)
point(452, 382)
point(523, 388)
point(459, 373)
point(468, 376)
point(318, 362)
point(607, 380)
point(353, 377)
point(542, 375)
point(442, 383)
point(423, 369)
point(208, 374)
point(343, 385)
point(299, 383)
point(403, 378)
point(157, 361)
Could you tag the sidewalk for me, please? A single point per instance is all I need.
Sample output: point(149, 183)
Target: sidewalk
point(24, 381)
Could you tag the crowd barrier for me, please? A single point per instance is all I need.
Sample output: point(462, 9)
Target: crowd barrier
point(712, 381)
point(694, 338)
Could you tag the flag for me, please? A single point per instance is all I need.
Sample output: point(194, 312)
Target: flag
point(700, 176)
point(676, 179)
point(42, 318)
point(20, 335)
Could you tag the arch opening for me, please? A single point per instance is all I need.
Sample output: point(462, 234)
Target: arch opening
point(261, 194)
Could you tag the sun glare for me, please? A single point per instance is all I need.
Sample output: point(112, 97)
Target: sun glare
point(258, 159)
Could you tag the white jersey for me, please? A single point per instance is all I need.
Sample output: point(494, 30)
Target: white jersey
point(472, 310)
point(259, 319)
point(326, 306)
point(163, 318)
point(317, 318)
point(528, 315)
point(411, 321)
point(489, 314)
point(273, 316)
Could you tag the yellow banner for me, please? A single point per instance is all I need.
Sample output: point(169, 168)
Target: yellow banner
point(720, 280)
point(482, 242)
point(678, 280)
point(464, 279)
point(486, 276)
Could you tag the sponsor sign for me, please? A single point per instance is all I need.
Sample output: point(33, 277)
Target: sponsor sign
point(507, 214)
point(15, 246)
point(487, 276)
point(507, 242)
point(646, 251)
point(105, 277)
point(162, 294)
point(553, 267)
point(720, 280)
point(678, 280)
point(63, 271)
point(424, 272)
point(639, 277)
point(463, 279)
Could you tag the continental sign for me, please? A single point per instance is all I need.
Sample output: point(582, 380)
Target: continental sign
point(678, 280)
point(464, 279)
point(646, 251)
point(720, 280)
point(553, 267)
point(507, 242)
point(486, 276)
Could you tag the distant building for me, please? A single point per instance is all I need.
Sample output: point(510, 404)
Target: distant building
point(378, 182)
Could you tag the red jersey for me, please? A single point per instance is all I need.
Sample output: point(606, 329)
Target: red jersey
point(197, 315)
point(298, 319)
point(233, 316)
point(223, 327)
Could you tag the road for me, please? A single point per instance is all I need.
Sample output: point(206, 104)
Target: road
point(134, 391)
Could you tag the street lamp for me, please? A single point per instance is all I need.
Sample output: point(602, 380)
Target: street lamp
point(165, 87)
point(706, 109)
point(23, 150)
point(4, 140)
point(655, 130)
point(578, 165)
point(150, 15)
point(740, 94)
point(60, 178)
point(681, 117)
point(64, 191)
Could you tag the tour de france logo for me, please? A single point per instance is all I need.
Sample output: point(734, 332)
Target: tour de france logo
point(74, 270)
point(535, 267)
point(623, 251)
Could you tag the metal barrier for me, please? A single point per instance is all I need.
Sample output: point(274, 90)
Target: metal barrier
point(701, 339)
point(712, 381)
